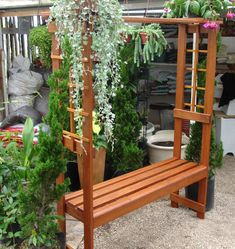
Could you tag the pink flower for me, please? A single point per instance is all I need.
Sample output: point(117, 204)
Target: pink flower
point(210, 25)
point(166, 10)
point(230, 15)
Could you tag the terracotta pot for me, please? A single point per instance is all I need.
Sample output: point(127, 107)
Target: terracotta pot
point(126, 38)
point(98, 167)
point(144, 37)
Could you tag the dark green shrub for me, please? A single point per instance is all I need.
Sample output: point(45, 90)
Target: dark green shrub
point(38, 201)
point(193, 150)
point(126, 155)
point(40, 37)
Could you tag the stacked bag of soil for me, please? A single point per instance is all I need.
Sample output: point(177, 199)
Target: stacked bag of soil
point(23, 87)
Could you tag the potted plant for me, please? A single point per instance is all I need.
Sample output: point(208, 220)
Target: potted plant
point(100, 146)
point(192, 153)
point(152, 38)
point(207, 9)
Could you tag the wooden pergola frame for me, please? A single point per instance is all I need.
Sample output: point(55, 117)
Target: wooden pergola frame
point(99, 204)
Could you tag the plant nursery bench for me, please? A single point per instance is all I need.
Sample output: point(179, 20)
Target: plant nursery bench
point(106, 201)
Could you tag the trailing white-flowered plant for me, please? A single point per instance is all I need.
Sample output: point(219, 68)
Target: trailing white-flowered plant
point(106, 19)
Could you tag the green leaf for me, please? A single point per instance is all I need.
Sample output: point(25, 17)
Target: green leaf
point(28, 134)
point(34, 240)
point(10, 200)
point(194, 7)
point(187, 6)
point(208, 14)
point(203, 10)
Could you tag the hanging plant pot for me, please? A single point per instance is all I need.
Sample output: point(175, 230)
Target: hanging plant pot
point(126, 37)
point(191, 192)
point(144, 37)
point(98, 167)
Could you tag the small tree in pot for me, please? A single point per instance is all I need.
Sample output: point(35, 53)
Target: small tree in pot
point(126, 155)
point(192, 153)
point(193, 149)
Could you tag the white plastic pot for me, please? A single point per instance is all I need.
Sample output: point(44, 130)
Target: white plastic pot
point(159, 153)
point(150, 130)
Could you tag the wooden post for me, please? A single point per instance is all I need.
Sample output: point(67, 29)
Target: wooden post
point(206, 128)
point(55, 66)
point(88, 106)
point(179, 98)
point(55, 51)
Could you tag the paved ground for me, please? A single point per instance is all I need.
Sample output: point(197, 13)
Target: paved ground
point(158, 226)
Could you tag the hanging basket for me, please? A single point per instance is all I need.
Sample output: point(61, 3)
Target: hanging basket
point(144, 37)
point(126, 37)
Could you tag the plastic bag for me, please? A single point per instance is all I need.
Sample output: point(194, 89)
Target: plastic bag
point(20, 115)
point(17, 102)
point(24, 83)
point(20, 64)
point(41, 102)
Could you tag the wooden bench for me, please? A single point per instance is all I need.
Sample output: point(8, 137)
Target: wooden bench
point(101, 203)
point(123, 194)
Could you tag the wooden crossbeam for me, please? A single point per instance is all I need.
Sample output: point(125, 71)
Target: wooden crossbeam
point(198, 106)
point(197, 51)
point(196, 206)
point(82, 113)
point(166, 20)
point(198, 70)
point(189, 115)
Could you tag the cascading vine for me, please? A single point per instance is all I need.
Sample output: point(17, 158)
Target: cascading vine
point(106, 17)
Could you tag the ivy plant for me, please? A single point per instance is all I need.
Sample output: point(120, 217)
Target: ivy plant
point(106, 18)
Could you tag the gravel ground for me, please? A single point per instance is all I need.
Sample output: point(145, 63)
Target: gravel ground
point(159, 226)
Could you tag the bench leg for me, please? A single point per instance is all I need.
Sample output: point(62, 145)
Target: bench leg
point(88, 235)
point(202, 192)
point(173, 203)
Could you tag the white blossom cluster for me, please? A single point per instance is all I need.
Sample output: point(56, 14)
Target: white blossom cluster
point(106, 19)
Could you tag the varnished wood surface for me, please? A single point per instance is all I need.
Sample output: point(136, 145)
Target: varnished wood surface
point(180, 79)
point(126, 193)
point(99, 204)
point(166, 20)
point(189, 115)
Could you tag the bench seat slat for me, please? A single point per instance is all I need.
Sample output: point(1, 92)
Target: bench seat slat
point(127, 182)
point(133, 187)
point(115, 180)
